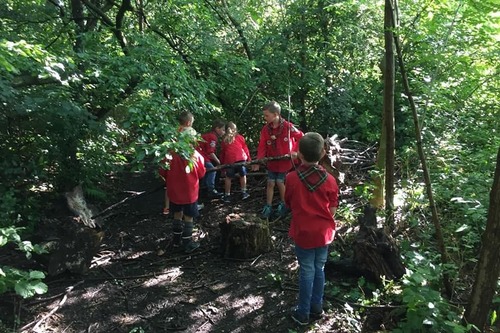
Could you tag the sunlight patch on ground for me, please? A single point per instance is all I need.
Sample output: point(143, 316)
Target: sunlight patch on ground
point(220, 286)
point(138, 254)
point(125, 319)
point(248, 304)
point(164, 278)
point(90, 293)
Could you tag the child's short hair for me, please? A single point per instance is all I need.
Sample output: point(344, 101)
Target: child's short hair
point(311, 146)
point(185, 117)
point(272, 107)
point(218, 123)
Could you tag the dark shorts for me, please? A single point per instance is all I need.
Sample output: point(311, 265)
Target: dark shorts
point(187, 209)
point(241, 169)
point(278, 177)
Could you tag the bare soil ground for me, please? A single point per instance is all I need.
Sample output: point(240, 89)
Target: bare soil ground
point(139, 283)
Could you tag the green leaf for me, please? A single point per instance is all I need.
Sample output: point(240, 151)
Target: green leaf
point(40, 288)
point(22, 289)
point(36, 275)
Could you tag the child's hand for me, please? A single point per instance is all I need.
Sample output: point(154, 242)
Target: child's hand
point(255, 167)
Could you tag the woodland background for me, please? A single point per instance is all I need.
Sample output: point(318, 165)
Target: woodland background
point(89, 86)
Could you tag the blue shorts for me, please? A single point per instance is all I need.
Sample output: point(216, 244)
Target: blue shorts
point(278, 177)
point(241, 169)
point(187, 209)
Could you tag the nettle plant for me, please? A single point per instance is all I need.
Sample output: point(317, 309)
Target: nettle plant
point(424, 309)
point(24, 283)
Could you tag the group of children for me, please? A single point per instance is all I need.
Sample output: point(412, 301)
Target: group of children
point(310, 192)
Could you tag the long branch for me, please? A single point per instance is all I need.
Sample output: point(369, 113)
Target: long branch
point(259, 161)
point(427, 178)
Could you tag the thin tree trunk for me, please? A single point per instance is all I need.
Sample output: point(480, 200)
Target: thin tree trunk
point(427, 178)
point(488, 269)
point(389, 113)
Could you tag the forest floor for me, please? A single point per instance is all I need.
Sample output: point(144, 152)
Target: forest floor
point(138, 283)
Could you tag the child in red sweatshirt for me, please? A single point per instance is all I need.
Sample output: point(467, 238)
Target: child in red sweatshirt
point(277, 138)
point(312, 196)
point(234, 150)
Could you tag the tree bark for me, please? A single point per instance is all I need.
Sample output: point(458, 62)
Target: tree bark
point(244, 236)
point(488, 269)
point(389, 112)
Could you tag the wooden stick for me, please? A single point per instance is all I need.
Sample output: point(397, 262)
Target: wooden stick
point(135, 195)
point(54, 310)
point(259, 161)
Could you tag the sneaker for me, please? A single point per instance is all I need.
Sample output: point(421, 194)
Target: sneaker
point(166, 211)
point(177, 240)
point(200, 206)
point(266, 211)
point(214, 193)
point(282, 210)
point(245, 196)
point(315, 315)
point(226, 199)
point(191, 246)
point(298, 318)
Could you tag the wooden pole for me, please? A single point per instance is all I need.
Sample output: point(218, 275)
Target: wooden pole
point(259, 161)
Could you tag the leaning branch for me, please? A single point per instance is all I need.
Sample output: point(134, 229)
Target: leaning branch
point(135, 195)
point(427, 179)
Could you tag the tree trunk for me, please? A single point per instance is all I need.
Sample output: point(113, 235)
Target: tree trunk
point(377, 198)
point(488, 269)
point(389, 112)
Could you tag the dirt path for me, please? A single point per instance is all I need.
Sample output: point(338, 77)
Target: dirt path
point(137, 283)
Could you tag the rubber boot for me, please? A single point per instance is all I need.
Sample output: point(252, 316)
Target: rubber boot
point(187, 238)
point(177, 229)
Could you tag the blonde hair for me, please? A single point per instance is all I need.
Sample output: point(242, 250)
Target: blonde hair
point(231, 131)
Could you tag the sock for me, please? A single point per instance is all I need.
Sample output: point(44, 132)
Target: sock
point(187, 233)
point(177, 229)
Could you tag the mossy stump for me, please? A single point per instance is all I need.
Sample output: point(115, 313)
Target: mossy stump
point(244, 236)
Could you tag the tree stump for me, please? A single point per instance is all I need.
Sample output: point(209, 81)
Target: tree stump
point(244, 236)
point(375, 252)
point(70, 246)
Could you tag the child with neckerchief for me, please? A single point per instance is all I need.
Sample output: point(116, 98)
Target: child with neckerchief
point(277, 138)
point(312, 196)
